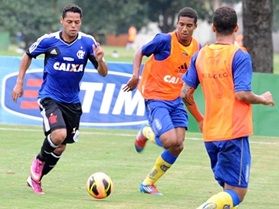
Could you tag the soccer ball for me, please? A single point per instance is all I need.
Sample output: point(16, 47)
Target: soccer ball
point(99, 185)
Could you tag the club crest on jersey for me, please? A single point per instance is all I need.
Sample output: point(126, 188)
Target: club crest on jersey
point(80, 54)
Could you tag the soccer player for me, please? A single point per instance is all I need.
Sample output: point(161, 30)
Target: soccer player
point(160, 84)
point(224, 71)
point(66, 55)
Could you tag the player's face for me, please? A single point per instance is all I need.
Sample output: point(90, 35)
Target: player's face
point(184, 28)
point(71, 24)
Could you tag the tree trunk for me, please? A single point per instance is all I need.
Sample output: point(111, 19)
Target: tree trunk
point(257, 32)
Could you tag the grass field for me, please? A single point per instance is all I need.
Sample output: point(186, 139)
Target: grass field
point(187, 184)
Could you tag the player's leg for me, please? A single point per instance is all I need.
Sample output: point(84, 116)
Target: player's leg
point(55, 131)
point(146, 133)
point(170, 138)
point(71, 115)
point(53, 158)
point(231, 171)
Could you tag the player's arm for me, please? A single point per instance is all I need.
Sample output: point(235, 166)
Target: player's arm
point(252, 98)
point(154, 47)
point(133, 82)
point(24, 65)
point(187, 95)
point(242, 71)
point(98, 60)
point(191, 81)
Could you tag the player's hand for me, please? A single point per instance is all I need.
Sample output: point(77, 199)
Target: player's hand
point(17, 91)
point(267, 96)
point(98, 51)
point(131, 84)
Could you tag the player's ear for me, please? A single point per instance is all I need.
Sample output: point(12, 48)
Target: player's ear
point(236, 29)
point(213, 28)
point(61, 20)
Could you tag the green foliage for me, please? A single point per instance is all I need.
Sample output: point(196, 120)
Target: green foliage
point(33, 18)
point(28, 18)
point(186, 185)
point(164, 12)
point(110, 16)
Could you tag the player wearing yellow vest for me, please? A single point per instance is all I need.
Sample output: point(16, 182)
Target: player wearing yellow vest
point(224, 72)
point(160, 85)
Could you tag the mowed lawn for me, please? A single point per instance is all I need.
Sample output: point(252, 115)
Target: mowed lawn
point(187, 184)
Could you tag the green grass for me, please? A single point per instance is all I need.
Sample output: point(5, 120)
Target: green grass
point(186, 185)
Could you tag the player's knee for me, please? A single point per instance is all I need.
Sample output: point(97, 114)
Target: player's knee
point(173, 143)
point(60, 149)
point(178, 148)
point(73, 137)
point(58, 135)
point(241, 194)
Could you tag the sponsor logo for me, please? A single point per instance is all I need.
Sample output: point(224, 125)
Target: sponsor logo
point(216, 75)
point(104, 103)
point(70, 59)
point(69, 67)
point(54, 52)
point(182, 68)
point(171, 79)
point(33, 47)
point(209, 206)
point(164, 168)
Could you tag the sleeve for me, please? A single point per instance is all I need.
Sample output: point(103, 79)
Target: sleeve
point(90, 43)
point(38, 47)
point(191, 76)
point(156, 45)
point(93, 61)
point(242, 71)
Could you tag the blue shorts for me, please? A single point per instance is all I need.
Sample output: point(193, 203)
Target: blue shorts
point(165, 115)
point(230, 161)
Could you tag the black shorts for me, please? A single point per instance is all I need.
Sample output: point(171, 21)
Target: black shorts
point(61, 115)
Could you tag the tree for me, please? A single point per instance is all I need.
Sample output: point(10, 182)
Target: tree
point(19, 17)
point(110, 16)
point(275, 15)
point(164, 12)
point(257, 32)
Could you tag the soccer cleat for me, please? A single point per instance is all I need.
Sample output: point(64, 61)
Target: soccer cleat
point(36, 170)
point(149, 189)
point(35, 186)
point(140, 141)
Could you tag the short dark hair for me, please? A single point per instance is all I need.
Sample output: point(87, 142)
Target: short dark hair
point(71, 8)
point(225, 20)
point(188, 12)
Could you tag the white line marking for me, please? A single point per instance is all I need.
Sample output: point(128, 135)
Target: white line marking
point(105, 132)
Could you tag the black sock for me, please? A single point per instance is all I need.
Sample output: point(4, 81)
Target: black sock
point(47, 148)
point(50, 162)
